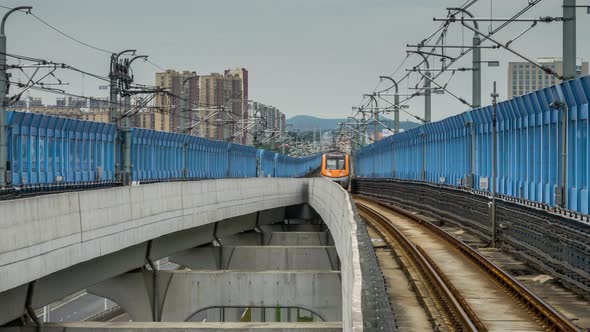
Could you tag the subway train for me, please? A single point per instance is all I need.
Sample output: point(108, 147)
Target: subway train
point(336, 167)
point(47, 152)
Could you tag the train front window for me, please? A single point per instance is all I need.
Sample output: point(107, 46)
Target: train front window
point(334, 163)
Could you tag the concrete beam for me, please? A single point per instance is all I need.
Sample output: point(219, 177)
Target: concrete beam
point(180, 327)
point(185, 293)
point(282, 227)
point(299, 239)
point(278, 238)
point(259, 258)
point(80, 276)
point(49, 233)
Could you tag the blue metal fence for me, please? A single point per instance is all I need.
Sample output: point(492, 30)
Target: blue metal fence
point(49, 150)
point(266, 166)
point(530, 148)
point(286, 165)
point(46, 151)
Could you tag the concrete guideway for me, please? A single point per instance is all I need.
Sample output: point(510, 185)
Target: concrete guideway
point(47, 236)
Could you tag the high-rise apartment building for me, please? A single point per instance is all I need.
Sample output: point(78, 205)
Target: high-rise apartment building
point(242, 75)
point(271, 122)
point(222, 105)
point(283, 123)
point(524, 77)
point(152, 120)
point(170, 103)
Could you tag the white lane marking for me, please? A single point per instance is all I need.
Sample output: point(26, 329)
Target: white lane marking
point(68, 301)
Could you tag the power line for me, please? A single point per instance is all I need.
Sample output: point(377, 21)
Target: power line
point(155, 65)
point(70, 37)
point(56, 64)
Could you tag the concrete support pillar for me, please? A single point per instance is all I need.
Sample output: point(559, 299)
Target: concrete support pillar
point(186, 293)
point(133, 292)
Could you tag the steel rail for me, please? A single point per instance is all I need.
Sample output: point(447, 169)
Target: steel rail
point(461, 317)
point(467, 208)
point(543, 311)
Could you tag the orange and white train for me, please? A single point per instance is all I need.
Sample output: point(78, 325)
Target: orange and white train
point(336, 167)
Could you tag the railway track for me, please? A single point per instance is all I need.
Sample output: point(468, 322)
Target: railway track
point(466, 290)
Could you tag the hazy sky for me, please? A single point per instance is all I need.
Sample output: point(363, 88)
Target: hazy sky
point(313, 57)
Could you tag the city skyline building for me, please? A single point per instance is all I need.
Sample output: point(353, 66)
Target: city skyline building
point(172, 80)
point(242, 75)
point(524, 77)
point(28, 102)
point(222, 106)
point(271, 122)
point(217, 107)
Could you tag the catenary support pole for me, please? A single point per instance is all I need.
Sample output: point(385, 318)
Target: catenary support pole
point(427, 88)
point(183, 115)
point(569, 39)
point(476, 62)
point(113, 92)
point(396, 126)
point(4, 98)
point(376, 116)
point(493, 220)
point(427, 98)
point(128, 123)
point(114, 76)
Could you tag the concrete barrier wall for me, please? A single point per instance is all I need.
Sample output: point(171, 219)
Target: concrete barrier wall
point(331, 202)
point(45, 234)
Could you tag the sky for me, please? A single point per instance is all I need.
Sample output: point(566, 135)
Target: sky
point(313, 57)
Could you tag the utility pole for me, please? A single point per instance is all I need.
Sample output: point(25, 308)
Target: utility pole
point(4, 78)
point(493, 221)
point(476, 72)
point(114, 76)
point(124, 73)
point(376, 116)
point(128, 81)
point(427, 88)
point(182, 122)
point(427, 98)
point(395, 105)
point(569, 39)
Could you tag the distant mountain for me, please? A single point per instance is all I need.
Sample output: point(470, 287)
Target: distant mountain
point(307, 123)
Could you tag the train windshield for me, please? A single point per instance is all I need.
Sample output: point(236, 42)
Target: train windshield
point(335, 163)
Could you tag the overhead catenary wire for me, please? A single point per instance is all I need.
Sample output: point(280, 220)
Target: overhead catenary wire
point(63, 33)
point(77, 40)
point(442, 35)
point(530, 5)
point(71, 37)
point(43, 87)
point(105, 79)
